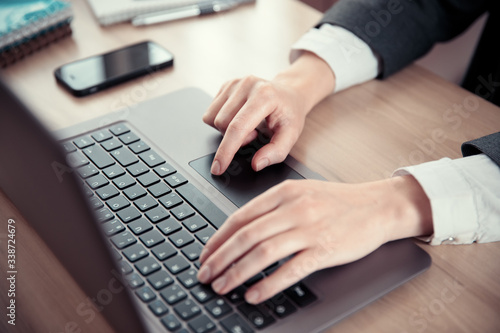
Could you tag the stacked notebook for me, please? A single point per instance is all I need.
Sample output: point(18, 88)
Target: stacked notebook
point(114, 11)
point(29, 25)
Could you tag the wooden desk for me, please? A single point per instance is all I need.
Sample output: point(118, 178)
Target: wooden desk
point(361, 134)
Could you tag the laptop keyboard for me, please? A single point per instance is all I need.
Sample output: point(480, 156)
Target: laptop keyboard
point(157, 223)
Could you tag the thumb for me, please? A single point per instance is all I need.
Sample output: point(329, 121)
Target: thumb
point(275, 151)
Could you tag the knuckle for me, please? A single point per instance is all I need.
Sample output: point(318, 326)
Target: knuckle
point(265, 250)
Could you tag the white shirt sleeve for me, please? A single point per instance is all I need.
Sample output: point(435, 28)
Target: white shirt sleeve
point(465, 198)
point(349, 57)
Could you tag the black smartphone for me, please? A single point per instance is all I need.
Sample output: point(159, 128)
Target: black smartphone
point(92, 74)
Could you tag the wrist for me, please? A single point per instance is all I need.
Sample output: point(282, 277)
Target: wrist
point(310, 77)
point(410, 213)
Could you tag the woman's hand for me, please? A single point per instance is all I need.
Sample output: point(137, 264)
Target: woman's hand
point(323, 224)
point(283, 103)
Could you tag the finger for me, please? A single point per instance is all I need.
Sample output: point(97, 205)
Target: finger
point(258, 206)
point(217, 103)
point(291, 272)
point(277, 150)
point(244, 122)
point(243, 241)
point(229, 110)
point(258, 258)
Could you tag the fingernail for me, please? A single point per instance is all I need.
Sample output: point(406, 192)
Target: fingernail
point(204, 274)
point(219, 284)
point(215, 168)
point(252, 297)
point(262, 164)
point(203, 254)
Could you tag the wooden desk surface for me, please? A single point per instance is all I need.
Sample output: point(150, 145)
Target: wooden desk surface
point(361, 134)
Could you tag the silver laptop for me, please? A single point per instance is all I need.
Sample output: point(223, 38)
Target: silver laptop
point(127, 201)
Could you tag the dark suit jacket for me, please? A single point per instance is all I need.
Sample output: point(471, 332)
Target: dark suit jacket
point(400, 31)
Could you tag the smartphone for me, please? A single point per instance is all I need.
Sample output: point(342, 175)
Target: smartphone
point(92, 74)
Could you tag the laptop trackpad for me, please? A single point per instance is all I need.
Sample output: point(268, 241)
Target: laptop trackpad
point(240, 183)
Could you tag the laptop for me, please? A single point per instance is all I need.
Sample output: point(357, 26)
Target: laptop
point(126, 202)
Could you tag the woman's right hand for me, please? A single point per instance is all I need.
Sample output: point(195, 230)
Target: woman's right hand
point(283, 104)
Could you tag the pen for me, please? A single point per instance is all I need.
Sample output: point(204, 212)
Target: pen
point(183, 12)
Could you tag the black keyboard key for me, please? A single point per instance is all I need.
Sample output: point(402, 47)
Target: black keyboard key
point(160, 280)
point(203, 293)
point(95, 203)
point(237, 295)
point(158, 307)
point(148, 179)
point(124, 181)
point(119, 129)
point(235, 324)
point(125, 267)
point(76, 159)
point(111, 145)
point(157, 214)
point(280, 306)
point(152, 238)
point(187, 309)
point(204, 234)
point(171, 323)
point(169, 226)
point(164, 170)
point(201, 324)
point(114, 171)
point(117, 203)
point(137, 169)
point(101, 135)
point(140, 226)
point(134, 280)
point(173, 294)
point(128, 214)
point(202, 204)
point(157, 190)
point(176, 264)
point(123, 240)
point(139, 147)
point(83, 141)
point(134, 192)
point(128, 138)
point(175, 180)
point(98, 156)
point(87, 171)
point(112, 227)
point(192, 251)
point(300, 294)
point(194, 223)
point(107, 192)
point(218, 307)
point(170, 200)
point(145, 294)
point(181, 238)
point(145, 203)
point(104, 214)
point(96, 181)
point(257, 315)
point(68, 147)
point(182, 212)
point(164, 251)
point(147, 266)
point(188, 278)
point(124, 156)
point(151, 158)
point(135, 252)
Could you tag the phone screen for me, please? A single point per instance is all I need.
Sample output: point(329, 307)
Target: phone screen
point(91, 74)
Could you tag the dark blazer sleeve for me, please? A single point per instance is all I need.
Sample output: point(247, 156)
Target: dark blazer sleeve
point(488, 145)
point(400, 31)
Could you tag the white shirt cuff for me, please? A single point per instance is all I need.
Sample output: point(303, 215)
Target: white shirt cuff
point(350, 58)
point(465, 198)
